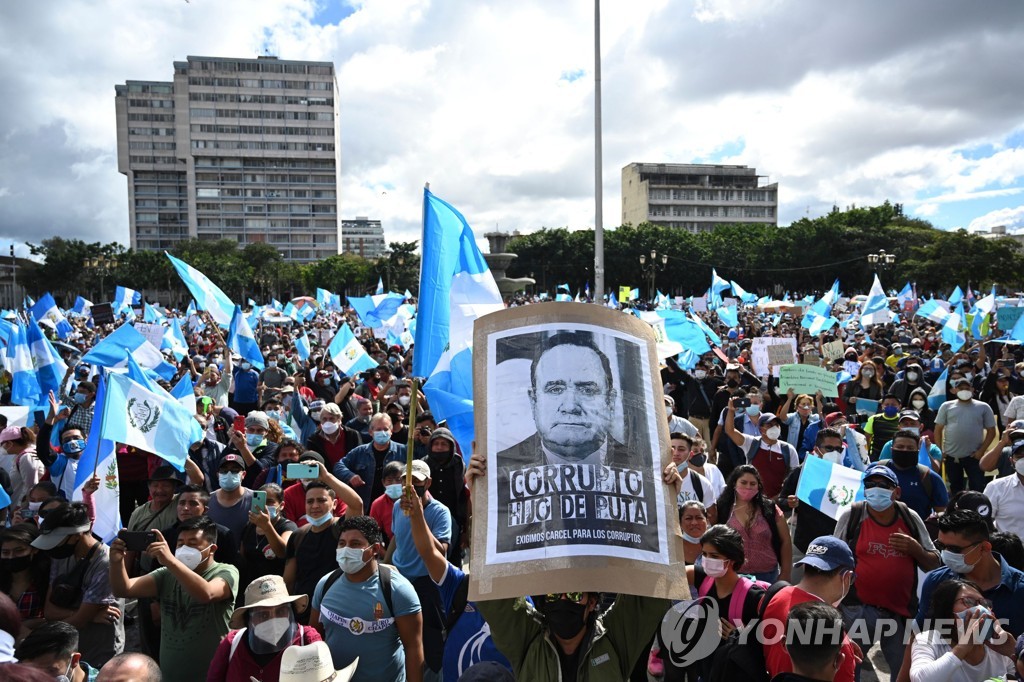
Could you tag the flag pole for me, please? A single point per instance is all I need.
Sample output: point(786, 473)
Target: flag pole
point(411, 444)
point(598, 183)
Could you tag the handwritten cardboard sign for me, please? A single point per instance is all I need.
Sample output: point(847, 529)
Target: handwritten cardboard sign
point(808, 379)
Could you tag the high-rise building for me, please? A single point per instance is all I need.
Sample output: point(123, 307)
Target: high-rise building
point(242, 149)
point(363, 237)
point(696, 197)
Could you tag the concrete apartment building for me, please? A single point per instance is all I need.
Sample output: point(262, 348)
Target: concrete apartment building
point(243, 149)
point(696, 197)
point(363, 237)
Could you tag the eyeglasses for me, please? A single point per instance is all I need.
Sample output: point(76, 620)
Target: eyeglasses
point(576, 597)
point(878, 484)
point(953, 549)
point(971, 602)
point(831, 448)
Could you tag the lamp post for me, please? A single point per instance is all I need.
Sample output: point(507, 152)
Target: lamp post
point(881, 259)
point(14, 279)
point(102, 266)
point(650, 270)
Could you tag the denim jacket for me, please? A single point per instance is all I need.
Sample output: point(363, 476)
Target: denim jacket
point(361, 461)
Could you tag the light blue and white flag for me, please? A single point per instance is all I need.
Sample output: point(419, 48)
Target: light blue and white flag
point(291, 311)
point(956, 297)
point(906, 294)
point(152, 421)
point(829, 488)
point(302, 347)
point(938, 392)
point(208, 295)
point(174, 339)
point(832, 295)
point(25, 388)
point(46, 309)
point(241, 340)
point(953, 329)
point(706, 329)
point(456, 287)
point(876, 306)
point(563, 297)
point(380, 286)
point(124, 300)
point(184, 392)
point(83, 307)
point(934, 310)
point(101, 456)
point(113, 351)
point(744, 297)
point(348, 354)
point(728, 315)
point(408, 295)
point(718, 285)
point(152, 314)
point(50, 368)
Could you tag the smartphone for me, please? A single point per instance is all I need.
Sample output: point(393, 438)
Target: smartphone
point(137, 541)
point(28, 514)
point(239, 424)
point(259, 501)
point(295, 471)
point(741, 402)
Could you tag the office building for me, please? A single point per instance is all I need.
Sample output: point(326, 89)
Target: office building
point(696, 197)
point(363, 237)
point(241, 149)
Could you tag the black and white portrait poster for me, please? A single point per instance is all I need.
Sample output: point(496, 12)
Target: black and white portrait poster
point(573, 441)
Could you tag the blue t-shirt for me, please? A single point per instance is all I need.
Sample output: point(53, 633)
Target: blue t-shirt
point(406, 558)
point(469, 640)
point(913, 494)
point(1007, 597)
point(246, 381)
point(357, 623)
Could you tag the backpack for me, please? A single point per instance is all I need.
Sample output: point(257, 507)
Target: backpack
point(741, 656)
point(926, 478)
point(383, 576)
point(303, 532)
point(739, 595)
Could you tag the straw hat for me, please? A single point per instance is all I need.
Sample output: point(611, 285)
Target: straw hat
point(313, 663)
point(269, 590)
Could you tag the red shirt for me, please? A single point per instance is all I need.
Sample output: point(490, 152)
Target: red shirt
point(775, 655)
point(295, 505)
point(333, 452)
point(885, 577)
point(380, 511)
point(772, 467)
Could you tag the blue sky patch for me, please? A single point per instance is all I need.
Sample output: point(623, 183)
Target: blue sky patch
point(331, 12)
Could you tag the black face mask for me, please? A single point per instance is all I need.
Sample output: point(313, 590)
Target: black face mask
point(565, 618)
point(16, 564)
point(62, 551)
point(441, 457)
point(732, 383)
point(420, 490)
point(698, 460)
point(904, 459)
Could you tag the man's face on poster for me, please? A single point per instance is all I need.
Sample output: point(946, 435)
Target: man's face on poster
point(572, 401)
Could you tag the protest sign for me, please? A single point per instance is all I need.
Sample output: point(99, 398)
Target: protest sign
point(759, 353)
point(102, 313)
point(833, 350)
point(699, 305)
point(811, 357)
point(808, 379)
point(867, 407)
point(1008, 316)
point(154, 333)
point(571, 503)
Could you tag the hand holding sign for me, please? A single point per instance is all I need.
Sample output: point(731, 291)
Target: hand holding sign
point(808, 379)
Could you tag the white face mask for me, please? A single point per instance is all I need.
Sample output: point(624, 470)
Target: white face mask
point(918, 404)
point(1019, 467)
point(964, 395)
point(350, 559)
point(271, 631)
point(190, 556)
point(330, 428)
point(403, 400)
point(773, 433)
point(700, 374)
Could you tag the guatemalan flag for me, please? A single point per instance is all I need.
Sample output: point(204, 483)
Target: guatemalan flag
point(46, 309)
point(125, 299)
point(241, 340)
point(302, 347)
point(938, 394)
point(114, 349)
point(208, 295)
point(101, 456)
point(456, 287)
point(348, 354)
point(876, 306)
point(50, 368)
point(829, 488)
point(25, 389)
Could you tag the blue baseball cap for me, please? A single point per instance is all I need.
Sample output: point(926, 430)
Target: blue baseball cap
point(828, 553)
point(767, 418)
point(881, 470)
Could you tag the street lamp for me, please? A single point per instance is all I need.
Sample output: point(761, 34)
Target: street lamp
point(881, 259)
point(650, 270)
point(102, 266)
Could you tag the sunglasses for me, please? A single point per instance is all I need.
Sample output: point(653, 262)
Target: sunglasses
point(832, 448)
point(971, 602)
point(953, 549)
point(878, 484)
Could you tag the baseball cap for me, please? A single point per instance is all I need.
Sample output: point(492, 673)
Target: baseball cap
point(828, 553)
point(231, 459)
point(312, 456)
point(420, 470)
point(766, 419)
point(975, 502)
point(1016, 428)
point(1016, 447)
point(883, 471)
point(832, 417)
point(910, 414)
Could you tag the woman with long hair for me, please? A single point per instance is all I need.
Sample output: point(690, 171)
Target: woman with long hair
point(867, 384)
point(744, 507)
point(996, 393)
point(24, 572)
point(965, 642)
point(27, 469)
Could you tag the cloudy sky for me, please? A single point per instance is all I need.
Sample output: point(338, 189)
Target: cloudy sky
point(491, 101)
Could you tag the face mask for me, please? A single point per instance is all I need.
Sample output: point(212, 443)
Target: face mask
point(746, 494)
point(846, 590)
point(968, 375)
point(668, 411)
point(350, 559)
point(381, 437)
point(320, 521)
point(700, 374)
point(16, 564)
point(565, 618)
point(773, 433)
point(394, 491)
point(904, 459)
point(189, 556)
point(890, 411)
point(230, 480)
point(253, 439)
point(912, 376)
point(246, 365)
point(442, 457)
point(753, 410)
point(330, 428)
point(699, 460)
point(272, 511)
point(683, 467)
point(62, 551)
point(964, 395)
point(878, 499)
point(1019, 467)
point(836, 457)
point(272, 363)
point(714, 567)
point(918, 404)
point(80, 398)
point(271, 631)
point(692, 540)
point(403, 400)
point(732, 383)
point(73, 447)
point(956, 562)
point(315, 415)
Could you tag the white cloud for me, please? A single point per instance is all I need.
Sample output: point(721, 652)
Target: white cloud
point(1012, 218)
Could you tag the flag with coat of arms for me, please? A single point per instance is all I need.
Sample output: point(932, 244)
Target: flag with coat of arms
point(830, 488)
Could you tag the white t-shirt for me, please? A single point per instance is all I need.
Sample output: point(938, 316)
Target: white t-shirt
point(714, 476)
point(687, 492)
point(932, 660)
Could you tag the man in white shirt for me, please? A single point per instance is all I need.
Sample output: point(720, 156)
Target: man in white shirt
point(677, 424)
point(1007, 495)
point(694, 486)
